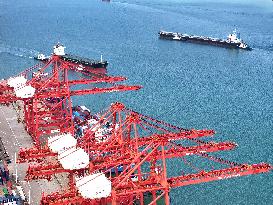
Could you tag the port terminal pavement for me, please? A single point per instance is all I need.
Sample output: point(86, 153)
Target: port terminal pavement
point(14, 137)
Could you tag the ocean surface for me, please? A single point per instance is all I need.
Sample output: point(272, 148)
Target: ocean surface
point(189, 85)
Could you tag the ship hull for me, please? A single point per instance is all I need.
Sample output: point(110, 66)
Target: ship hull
point(84, 65)
point(200, 40)
point(84, 61)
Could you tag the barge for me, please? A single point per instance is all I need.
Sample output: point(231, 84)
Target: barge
point(82, 64)
point(233, 40)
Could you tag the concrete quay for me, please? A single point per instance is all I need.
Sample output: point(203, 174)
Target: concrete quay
point(14, 137)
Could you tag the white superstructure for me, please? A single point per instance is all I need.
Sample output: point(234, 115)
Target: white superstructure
point(20, 88)
point(61, 142)
point(16, 82)
point(73, 158)
point(59, 49)
point(25, 91)
point(94, 186)
point(234, 37)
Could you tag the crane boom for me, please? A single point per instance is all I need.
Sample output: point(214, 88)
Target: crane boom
point(220, 174)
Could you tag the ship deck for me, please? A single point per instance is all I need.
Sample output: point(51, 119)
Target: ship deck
point(81, 59)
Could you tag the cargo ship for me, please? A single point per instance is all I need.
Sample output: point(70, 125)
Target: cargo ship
point(233, 40)
point(82, 64)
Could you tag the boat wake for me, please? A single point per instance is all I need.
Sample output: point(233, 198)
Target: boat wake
point(19, 52)
point(141, 7)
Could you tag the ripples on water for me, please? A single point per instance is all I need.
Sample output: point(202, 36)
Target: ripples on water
point(186, 84)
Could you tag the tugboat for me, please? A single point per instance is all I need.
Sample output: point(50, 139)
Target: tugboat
point(233, 40)
point(82, 64)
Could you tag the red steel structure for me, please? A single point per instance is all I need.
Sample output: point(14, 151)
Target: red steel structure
point(50, 109)
point(140, 145)
point(133, 156)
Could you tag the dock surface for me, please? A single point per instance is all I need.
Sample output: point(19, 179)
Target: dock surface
point(14, 137)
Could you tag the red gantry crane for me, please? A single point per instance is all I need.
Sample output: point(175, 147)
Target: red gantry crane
point(129, 151)
point(122, 156)
point(46, 90)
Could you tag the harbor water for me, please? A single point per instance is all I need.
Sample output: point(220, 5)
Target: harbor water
point(189, 85)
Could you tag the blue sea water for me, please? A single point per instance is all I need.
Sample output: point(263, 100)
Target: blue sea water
point(189, 85)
